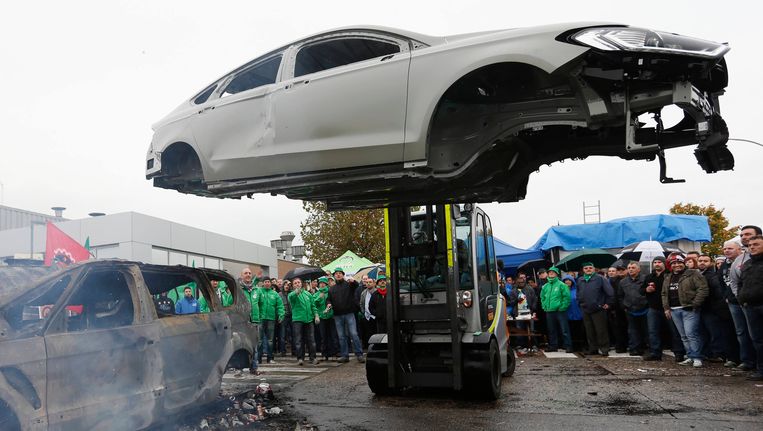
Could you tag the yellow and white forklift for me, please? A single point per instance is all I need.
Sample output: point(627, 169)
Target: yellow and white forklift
point(446, 320)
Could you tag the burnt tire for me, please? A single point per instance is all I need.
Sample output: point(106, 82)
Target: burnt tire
point(511, 362)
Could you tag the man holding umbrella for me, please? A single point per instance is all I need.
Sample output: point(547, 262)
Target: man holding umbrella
point(595, 296)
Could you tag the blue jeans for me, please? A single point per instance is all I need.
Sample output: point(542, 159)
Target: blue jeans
point(746, 351)
point(267, 331)
point(346, 323)
point(687, 323)
point(754, 316)
point(655, 320)
point(637, 332)
point(556, 320)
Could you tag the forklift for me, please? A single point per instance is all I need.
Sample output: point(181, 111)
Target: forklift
point(446, 320)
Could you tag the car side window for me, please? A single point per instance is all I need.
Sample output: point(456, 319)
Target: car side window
point(263, 73)
point(204, 95)
point(332, 53)
point(167, 288)
point(102, 301)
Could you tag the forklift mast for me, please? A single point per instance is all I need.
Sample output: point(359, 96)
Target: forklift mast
point(420, 255)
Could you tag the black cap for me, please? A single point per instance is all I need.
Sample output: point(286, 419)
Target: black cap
point(541, 270)
point(660, 258)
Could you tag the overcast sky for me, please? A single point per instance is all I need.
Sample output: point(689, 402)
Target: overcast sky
point(85, 80)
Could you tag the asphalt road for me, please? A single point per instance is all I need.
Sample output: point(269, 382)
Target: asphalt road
point(621, 393)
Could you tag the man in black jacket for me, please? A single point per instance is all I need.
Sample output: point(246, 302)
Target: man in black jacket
point(343, 301)
point(750, 296)
point(656, 321)
point(631, 296)
point(719, 340)
point(595, 296)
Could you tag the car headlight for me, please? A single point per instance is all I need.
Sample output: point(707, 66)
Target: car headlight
point(641, 39)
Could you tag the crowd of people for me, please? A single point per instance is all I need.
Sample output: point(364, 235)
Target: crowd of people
point(704, 309)
point(329, 315)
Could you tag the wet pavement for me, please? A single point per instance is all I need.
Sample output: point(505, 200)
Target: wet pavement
point(545, 393)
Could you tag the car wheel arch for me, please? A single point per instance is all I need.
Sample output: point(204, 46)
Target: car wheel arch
point(458, 92)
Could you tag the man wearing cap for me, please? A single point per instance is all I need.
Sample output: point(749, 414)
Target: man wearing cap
point(595, 296)
point(342, 300)
point(750, 296)
point(555, 300)
point(683, 292)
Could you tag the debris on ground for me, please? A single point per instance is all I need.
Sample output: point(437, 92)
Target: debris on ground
point(246, 411)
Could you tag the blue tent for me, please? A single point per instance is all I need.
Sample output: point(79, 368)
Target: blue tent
point(512, 256)
point(621, 232)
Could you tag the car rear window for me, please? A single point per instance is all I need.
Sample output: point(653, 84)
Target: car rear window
point(339, 52)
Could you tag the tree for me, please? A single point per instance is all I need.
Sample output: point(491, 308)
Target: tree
point(328, 234)
point(719, 225)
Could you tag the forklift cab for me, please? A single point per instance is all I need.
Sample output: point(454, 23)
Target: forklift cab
point(445, 321)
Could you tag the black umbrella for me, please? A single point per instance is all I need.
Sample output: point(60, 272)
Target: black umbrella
point(305, 273)
point(534, 264)
point(598, 257)
point(648, 250)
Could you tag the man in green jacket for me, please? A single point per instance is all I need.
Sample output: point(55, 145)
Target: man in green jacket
point(555, 300)
point(271, 311)
point(303, 316)
point(246, 284)
point(329, 339)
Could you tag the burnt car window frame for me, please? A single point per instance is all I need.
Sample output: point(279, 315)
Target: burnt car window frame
point(58, 323)
point(289, 63)
point(42, 288)
point(223, 88)
point(211, 274)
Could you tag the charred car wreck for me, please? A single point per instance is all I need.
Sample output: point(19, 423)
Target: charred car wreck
point(86, 347)
point(372, 116)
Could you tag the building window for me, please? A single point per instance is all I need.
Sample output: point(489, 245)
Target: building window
point(159, 256)
point(178, 258)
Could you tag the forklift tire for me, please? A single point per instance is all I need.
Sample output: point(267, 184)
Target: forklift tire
point(486, 384)
point(511, 363)
point(377, 380)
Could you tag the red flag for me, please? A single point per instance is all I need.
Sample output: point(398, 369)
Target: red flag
point(61, 249)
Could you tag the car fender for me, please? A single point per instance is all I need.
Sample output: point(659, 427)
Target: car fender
point(178, 132)
point(434, 70)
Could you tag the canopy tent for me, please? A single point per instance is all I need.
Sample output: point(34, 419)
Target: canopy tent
point(349, 262)
point(512, 256)
point(620, 232)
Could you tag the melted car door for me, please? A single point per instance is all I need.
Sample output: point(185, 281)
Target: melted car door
point(234, 130)
point(343, 104)
point(195, 349)
point(103, 367)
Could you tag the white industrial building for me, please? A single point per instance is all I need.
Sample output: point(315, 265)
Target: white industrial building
point(134, 236)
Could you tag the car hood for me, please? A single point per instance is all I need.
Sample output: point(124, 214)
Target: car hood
point(13, 279)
